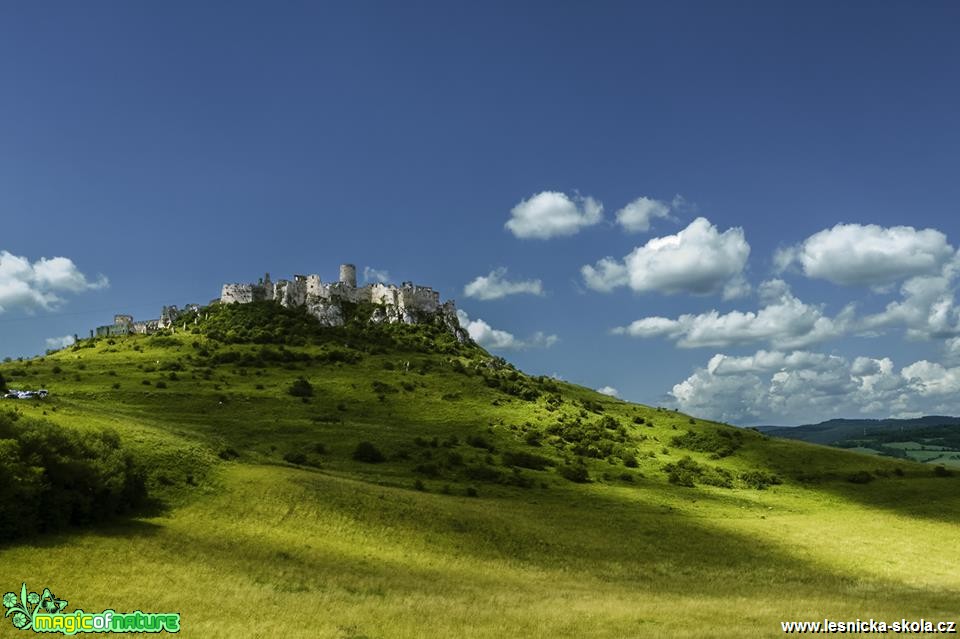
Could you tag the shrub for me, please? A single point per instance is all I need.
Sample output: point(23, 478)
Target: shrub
point(526, 460)
point(381, 388)
point(368, 453)
point(576, 473)
point(472, 492)
point(228, 454)
point(721, 443)
point(860, 477)
point(758, 479)
point(630, 460)
point(301, 388)
point(687, 472)
point(483, 473)
point(161, 384)
point(295, 457)
point(941, 471)
point(54, 477)
point(478, 441)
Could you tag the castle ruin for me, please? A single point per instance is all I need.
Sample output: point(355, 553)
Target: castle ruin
point(125, 324)
point(407, 303)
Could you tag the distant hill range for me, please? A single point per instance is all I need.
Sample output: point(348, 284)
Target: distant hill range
point(933, 439)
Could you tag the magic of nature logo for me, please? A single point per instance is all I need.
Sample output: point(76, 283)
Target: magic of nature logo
point(44, 612)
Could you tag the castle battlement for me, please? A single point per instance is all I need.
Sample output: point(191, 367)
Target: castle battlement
point(406, 303)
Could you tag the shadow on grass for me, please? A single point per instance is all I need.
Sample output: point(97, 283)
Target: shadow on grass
point(131, 525)
point(905, 488)
point(431, 542)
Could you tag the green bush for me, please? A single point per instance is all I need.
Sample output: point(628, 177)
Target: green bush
point(721, 443)
point(860, 477)
point(526, 460)
point(758, 479)
point(55, 477)
point(687, 472)
point(295, 457)
point(368, 453)
point(576, 473)
point(478, 441)
point(301, 388)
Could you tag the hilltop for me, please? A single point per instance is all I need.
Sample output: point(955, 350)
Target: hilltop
point(406, 482)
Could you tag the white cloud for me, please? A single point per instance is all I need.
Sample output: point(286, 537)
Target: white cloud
point(871, 255)
point(806, 387)
point(785, 322)
point(638, 215)
point(699, 259)
point(609, 390)
point(485, 335)
point(494, 286)
point(927, 309)
point(606, 275)
point(371, 274)
point(39, 285)
point(56, 343)
point(552, 214)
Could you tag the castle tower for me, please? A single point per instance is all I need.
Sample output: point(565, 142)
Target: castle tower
point(348, 275)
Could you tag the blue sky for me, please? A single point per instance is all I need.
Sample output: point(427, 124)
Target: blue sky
point(807, 269)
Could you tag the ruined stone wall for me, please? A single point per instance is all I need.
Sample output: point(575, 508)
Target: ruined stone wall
point(236, 294)
point(406, 303)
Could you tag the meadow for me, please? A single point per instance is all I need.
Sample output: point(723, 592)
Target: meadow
point(389, 482)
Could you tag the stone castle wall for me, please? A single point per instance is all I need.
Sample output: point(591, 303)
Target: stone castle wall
point(405, 303)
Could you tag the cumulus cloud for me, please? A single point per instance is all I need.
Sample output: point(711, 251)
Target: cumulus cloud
point(871, 255)
point(638, 215)
point(609, 390)
point(56, 343)
point(785, 321)
point(495, 285)
point(806, 387)
point(40, 284)
point(485, 335)
point(552, 214)
point(371, 274)
point(699, 259)
point(927, 310)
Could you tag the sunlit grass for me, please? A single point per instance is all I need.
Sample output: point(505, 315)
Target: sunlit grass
point(258, 547)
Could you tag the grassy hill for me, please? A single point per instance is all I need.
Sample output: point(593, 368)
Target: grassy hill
point(387, 481)
point(932, 439)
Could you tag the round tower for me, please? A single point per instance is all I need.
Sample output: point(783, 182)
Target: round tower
point(348, 275)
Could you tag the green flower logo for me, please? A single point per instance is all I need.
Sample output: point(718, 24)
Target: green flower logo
point(24, 608)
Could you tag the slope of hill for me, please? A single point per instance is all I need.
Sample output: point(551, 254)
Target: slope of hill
point(388, 481)
point(931, 439)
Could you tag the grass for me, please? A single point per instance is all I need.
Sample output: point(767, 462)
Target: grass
point(247, 543)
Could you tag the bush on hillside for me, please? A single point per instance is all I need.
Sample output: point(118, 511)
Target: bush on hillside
point(526, 460)
point(758, 479)
point(54, 477)
point(721, 443)
point(301, 388)
point(576, 473)
point(368, 453)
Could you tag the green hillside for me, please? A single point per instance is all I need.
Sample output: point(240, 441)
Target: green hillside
point(933, 440)
point(388, 481)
